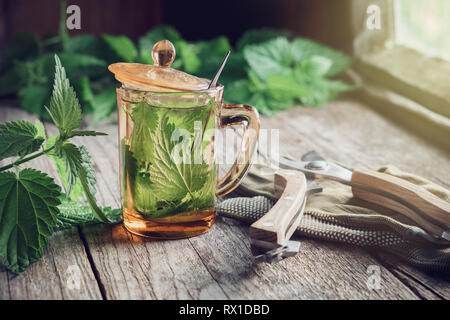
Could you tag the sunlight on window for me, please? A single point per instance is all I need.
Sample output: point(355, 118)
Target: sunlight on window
point(424, 25)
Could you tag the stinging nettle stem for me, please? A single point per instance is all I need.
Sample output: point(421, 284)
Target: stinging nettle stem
point(19, 162)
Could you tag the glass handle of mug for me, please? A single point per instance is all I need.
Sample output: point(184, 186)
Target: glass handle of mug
point(248, 117)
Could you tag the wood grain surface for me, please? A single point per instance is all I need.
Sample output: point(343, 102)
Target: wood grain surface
point(218, 265)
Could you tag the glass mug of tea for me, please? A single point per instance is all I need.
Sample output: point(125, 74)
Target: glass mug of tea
point(167, 125)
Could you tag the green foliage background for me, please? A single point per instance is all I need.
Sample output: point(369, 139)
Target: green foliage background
point(268, 68)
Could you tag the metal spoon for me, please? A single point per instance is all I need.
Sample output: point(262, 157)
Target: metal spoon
point(217, 75)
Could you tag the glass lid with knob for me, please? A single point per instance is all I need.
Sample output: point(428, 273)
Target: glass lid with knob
point(159, 77)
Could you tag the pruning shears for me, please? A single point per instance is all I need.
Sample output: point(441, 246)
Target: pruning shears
point(270, 235)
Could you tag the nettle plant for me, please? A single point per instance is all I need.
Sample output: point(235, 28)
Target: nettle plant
point(31, 203)
point(269, 69)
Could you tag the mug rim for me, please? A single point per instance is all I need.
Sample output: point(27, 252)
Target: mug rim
point(217, 88)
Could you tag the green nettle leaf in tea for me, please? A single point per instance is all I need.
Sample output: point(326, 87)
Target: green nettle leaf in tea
point(166, 168)
point(145, 120)
point(174, 180)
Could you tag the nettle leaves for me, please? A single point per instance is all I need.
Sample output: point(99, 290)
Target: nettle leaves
point(19, 139)
point(29, 199)
point(282, 73)
point(167, 180)
point(174, 179)
point(260, 60)
point(65, 110)
point(145, 120)
point(28, 210)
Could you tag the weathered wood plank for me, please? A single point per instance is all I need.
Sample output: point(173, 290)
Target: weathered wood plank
point(64, 259)
point(134, 268)
point(63, 273)
point(424, 285)
point(137, 268)
point(219, 264)
point(226, 253)
point(351, 133)
point(320, 271)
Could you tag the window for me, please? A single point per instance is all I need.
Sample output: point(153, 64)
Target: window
point(400, 55)
point(423, 25)
point(396, 63)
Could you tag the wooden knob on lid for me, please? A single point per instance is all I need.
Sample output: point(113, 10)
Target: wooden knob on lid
point(163, 53)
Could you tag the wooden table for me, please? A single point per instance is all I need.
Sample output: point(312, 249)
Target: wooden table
point(113, 264)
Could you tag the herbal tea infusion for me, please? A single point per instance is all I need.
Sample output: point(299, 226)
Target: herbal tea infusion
point(167, 120)
point(167, 162)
